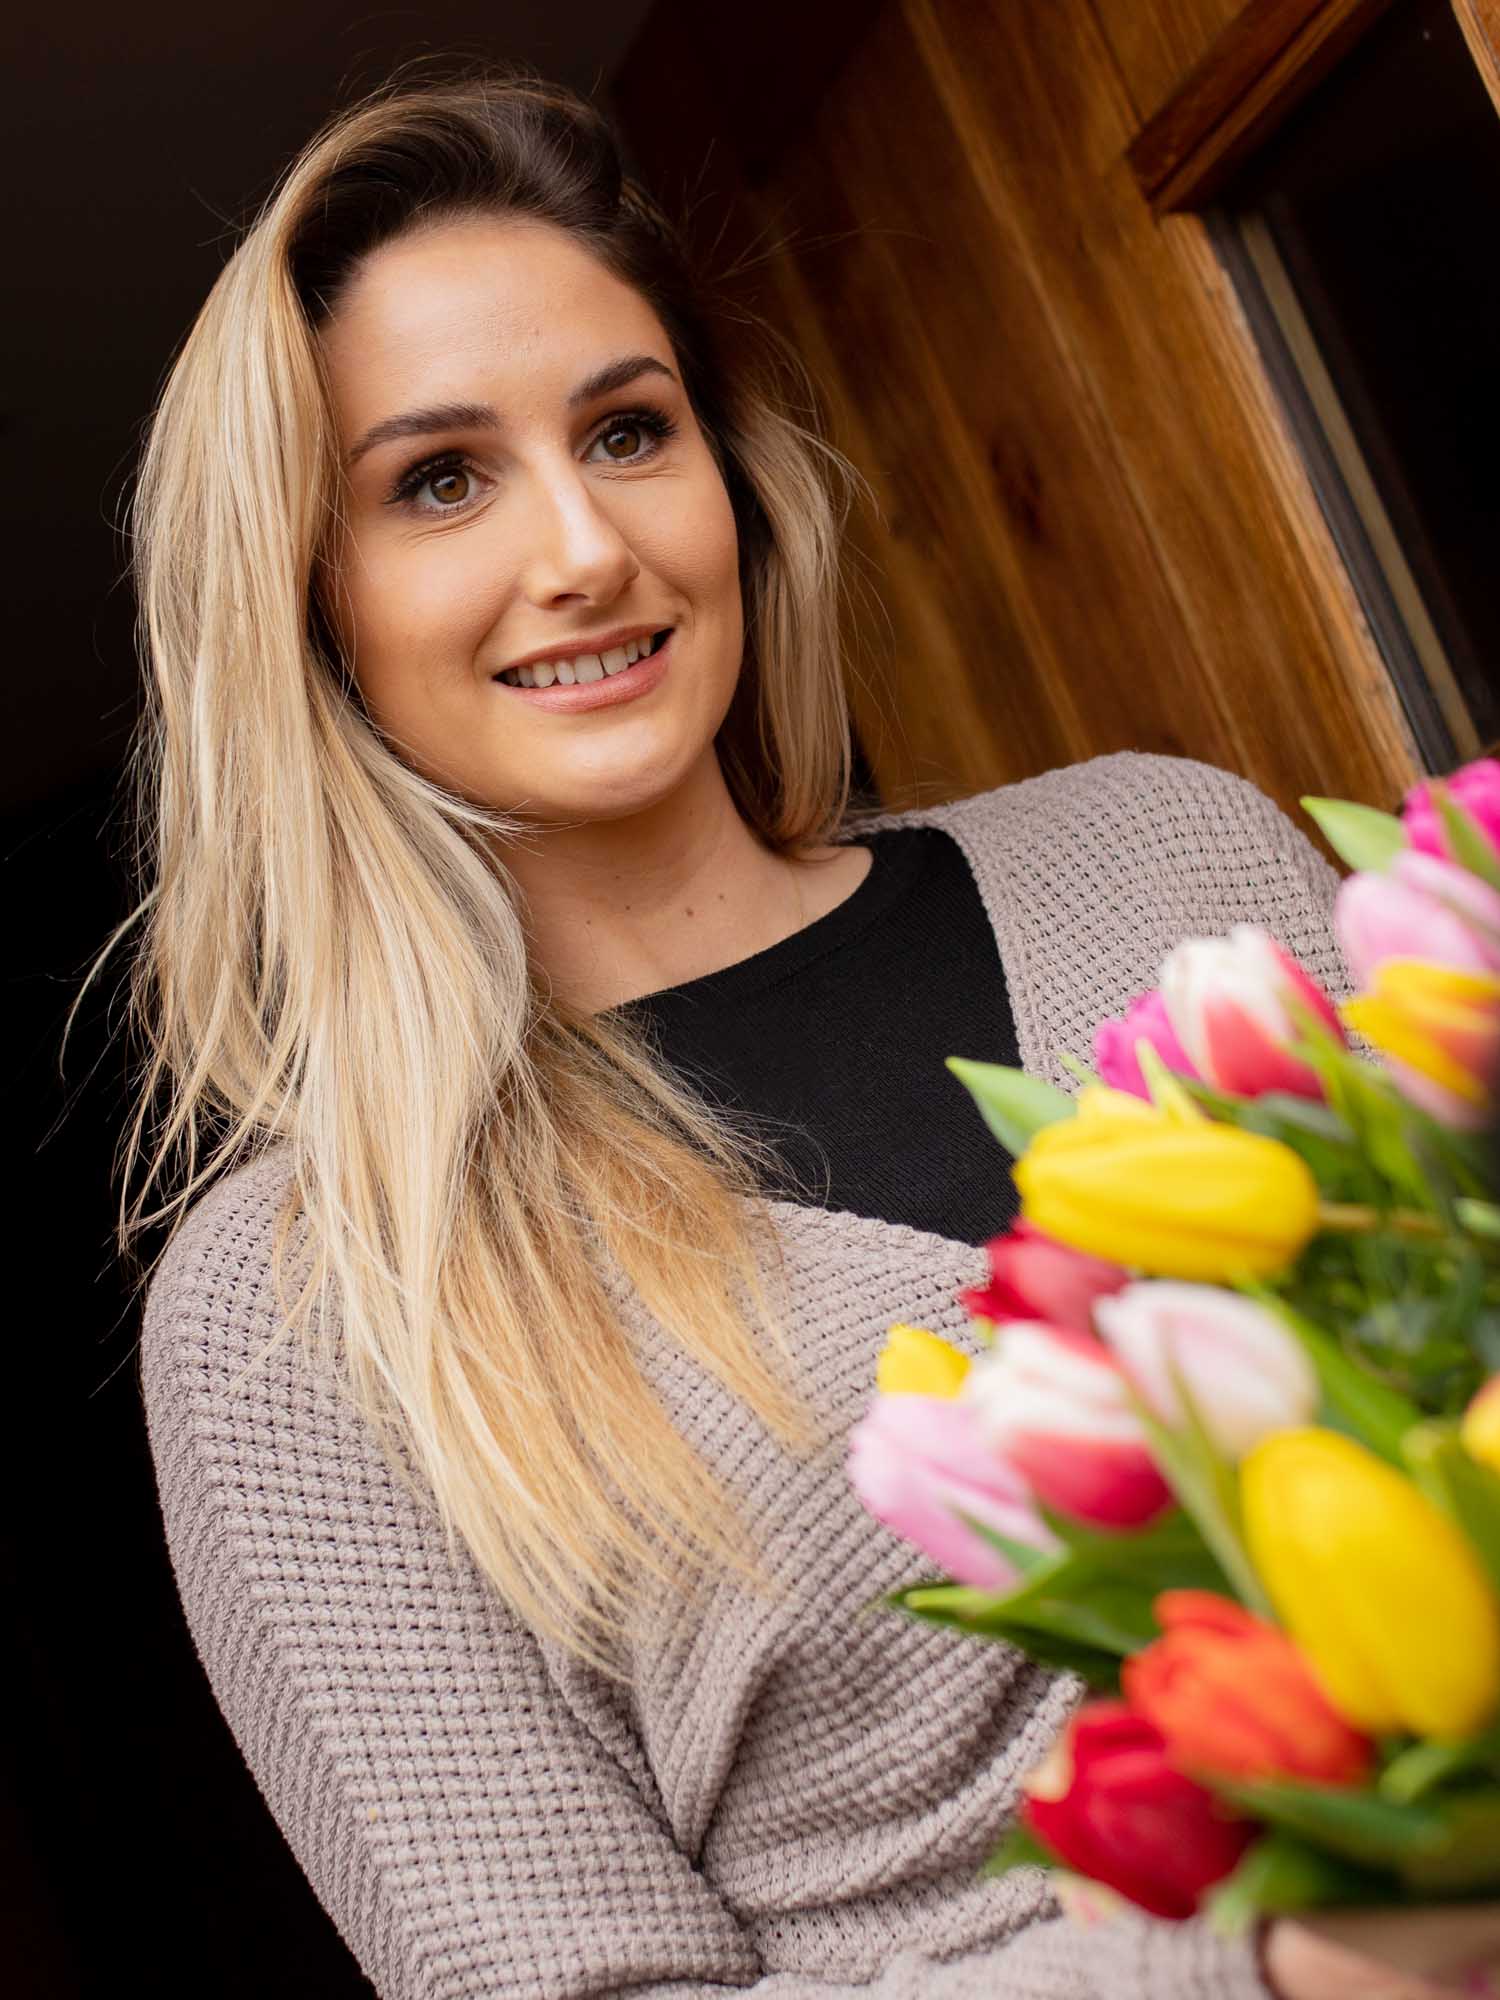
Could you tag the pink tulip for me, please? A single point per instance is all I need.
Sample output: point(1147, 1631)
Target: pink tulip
point(1420, 907)
point(1032, 1276)
point(1055, 1404)
point(1476, 787)
point(1229, 1001)
point(916, 1461)
point(1145, 1020)
point(1245, 1373)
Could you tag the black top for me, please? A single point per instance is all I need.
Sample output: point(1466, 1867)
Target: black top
point(830, 1045)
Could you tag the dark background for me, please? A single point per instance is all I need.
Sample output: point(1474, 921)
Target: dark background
point(135, 1850)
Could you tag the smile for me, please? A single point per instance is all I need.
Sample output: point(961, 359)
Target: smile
point(604, 684)
point(585, 667)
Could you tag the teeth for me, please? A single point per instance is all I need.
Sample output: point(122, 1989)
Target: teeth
point(586, 667)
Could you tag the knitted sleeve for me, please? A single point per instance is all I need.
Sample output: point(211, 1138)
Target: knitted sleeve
point(466, 1830)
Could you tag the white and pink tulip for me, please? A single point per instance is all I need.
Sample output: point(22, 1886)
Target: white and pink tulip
point(1230, 1003)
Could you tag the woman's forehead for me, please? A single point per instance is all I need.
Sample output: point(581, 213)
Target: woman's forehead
point(448, 312)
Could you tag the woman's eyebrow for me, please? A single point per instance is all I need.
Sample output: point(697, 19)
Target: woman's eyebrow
point(483, 416)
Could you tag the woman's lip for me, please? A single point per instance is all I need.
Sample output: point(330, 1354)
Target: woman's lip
point(637, 679)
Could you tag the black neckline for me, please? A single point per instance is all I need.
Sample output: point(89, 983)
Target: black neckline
point(895, 867)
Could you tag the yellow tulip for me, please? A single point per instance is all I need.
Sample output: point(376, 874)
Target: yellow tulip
point(1479, 1433)
point(1177, 1199)
point(1440, 1027)
point(1379, 1589)
point(914, 1362)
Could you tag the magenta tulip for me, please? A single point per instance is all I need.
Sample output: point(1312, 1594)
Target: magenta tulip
point(1144, 1020)
point(1420, 907)
point(1032, 1276)
point(1244, 1372)
point(1476, 787)
point(1230, 1002)
point(916, 1462)
point(1055, 1404)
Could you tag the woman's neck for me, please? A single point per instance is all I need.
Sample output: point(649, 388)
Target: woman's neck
point(622, 907)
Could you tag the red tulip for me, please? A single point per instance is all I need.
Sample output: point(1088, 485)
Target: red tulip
point(1109, 1804)
point(1033, 1276)
point(1055, 1405)
point(1234, 1698)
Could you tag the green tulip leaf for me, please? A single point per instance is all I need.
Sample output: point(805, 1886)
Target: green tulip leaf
point(1206, 1486)
point(1469, 1856)
point(1422, 1767)
point(981, 1613)
point(1019, 1849)
point(1378, 1416)
point(1022, 1554)
point(1360, 1826)
point(1281, 1874)
point(1480, 1218)
point(1360, 835)
point(1466, 839)
point(1466, 1491)
point(1100, 1589)
point(1015, 1106)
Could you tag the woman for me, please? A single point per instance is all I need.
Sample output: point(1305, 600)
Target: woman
point(499, 958)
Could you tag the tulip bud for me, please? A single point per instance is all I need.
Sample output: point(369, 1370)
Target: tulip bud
point(914, 1362)
point(1479, 1433)
point(1199, 1200)
point(1233, 1698)
point(1439, 1028)
point(1115, 1039)
point(1245, 1373)
point(1055, 1404)
point(1419, 907)
point(1475, 787)
point(916, 1462)
point(1108, 1803)
point(1031, 1277)
point(1381, 1592)
point(1230, 1002)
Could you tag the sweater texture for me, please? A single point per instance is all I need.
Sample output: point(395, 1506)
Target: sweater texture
point(902, 973)
point(793, 1798)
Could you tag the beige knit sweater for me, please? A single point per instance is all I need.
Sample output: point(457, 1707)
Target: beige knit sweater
point(793, 1801)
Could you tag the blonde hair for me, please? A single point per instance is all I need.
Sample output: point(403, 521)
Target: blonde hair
point(330, 957)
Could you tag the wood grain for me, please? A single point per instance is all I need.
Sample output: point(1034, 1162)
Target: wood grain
point(1157, 44)
point(1263, 63)
point(1090, 528)
point(1480, 22)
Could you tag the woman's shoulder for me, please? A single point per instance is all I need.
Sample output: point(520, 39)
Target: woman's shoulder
point(211, 1286)
point(1165, 799)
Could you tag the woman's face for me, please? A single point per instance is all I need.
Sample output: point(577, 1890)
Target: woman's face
point(500, 507)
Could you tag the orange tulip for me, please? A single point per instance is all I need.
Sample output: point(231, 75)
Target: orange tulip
point(1234, 1698)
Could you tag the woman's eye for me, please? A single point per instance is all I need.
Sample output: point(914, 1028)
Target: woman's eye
point(450, 485)
point(623, 441)
point(450, 479)
point(629, 439)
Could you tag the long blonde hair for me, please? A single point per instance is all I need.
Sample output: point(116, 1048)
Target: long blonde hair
point(330, 958)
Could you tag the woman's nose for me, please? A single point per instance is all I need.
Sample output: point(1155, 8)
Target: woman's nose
point(571, 541)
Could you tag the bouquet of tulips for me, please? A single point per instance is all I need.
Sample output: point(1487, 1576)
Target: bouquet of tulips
point(1231, 1449)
